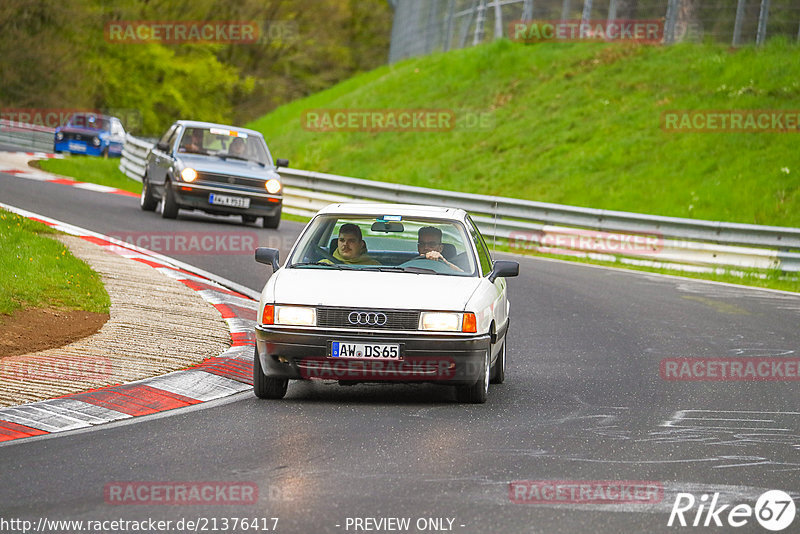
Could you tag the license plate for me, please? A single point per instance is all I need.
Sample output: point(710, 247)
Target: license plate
point(364, 351)
point(225, 200)
point(77, 147)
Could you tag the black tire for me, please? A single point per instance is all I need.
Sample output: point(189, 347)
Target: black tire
point(499, 367)
point(247, 219)
point(147, 201)
point(479, 391)
point(272, 222)
point(170, 209)
point(265, 387)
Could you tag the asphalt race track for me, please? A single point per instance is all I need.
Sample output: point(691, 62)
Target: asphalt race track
point(583, 400)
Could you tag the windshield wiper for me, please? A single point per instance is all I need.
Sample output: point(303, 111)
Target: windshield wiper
point(232, 156)
point(419, 270)
point(323, 264)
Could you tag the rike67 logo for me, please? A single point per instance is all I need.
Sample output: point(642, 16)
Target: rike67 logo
point(774, 510)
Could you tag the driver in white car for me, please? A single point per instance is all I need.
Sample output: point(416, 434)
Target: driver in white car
point(429, 245)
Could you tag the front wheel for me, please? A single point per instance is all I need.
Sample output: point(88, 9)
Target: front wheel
point(170, 208)
point(146, 201)
point(265, 387)
point(273, 221)
point(499, 367)
point(479, 391)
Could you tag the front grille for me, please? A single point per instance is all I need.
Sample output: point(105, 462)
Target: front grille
point(71, 136)
point(395, 319)
point(228, 179)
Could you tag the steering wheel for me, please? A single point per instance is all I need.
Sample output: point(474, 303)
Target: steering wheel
point(425, 263)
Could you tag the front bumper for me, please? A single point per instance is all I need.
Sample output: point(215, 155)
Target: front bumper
point(77, 147)
point(195, 195)
point(442, 359)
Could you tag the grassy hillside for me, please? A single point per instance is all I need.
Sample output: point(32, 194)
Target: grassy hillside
point(573, 123)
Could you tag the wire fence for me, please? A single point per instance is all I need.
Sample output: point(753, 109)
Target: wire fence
point(424, 26)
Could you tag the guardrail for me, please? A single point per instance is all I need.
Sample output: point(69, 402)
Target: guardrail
point(688, 244)
point(37, 138)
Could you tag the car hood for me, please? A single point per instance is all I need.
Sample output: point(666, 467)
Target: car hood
point(238, 167)
point(371, 289)
point(84, 131)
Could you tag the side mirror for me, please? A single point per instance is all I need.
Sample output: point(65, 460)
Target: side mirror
point(164, 147)
point(503, 268)
point(268, 256)
point(280, 162)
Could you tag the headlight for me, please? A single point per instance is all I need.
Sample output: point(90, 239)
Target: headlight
point(273, 186)
point(96, 141)
point(188, 174)
point(295, 316)
point(59, 136)
point(448, 322)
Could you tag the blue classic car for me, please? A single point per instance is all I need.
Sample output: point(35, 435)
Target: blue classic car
point(90, 134)
point(215, 168)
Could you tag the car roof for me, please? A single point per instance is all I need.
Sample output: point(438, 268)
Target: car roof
point(409, 210)
point(201, 124)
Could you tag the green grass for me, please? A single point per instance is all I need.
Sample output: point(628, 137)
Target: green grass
point(39, 272)
point(573, 123)
point(95, 170)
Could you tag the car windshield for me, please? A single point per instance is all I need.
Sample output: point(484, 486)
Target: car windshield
point(225, 144)
point(89, 121)
point(387, 242)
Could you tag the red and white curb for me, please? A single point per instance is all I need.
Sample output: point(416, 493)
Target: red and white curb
point(41, 176)
point(220, 376)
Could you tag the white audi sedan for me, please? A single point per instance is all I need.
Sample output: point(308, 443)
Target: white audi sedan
point(384, 293)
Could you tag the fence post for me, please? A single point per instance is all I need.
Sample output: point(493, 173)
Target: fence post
point(448, 32)
point(669, 24)
point(587, 11)
point(432, 30)
point(565, 9)
point(612, 10)
point(762, 22)
point(498, 20)
point(737, 26)
point(481, 20)
point(527, 10)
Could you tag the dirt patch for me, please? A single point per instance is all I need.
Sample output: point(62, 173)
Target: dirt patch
point(32, 330)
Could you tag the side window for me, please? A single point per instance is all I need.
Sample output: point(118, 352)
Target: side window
point(168, 137)
point(483, 253)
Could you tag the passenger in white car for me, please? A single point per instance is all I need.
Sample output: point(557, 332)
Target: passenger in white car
point(351, 247)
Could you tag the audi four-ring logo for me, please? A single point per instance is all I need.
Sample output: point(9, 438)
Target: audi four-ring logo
point(367, 318)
